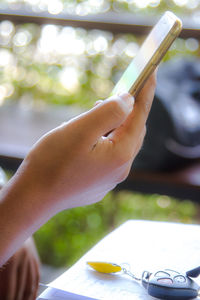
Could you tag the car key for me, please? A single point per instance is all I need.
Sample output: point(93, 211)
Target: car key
point(170, 284)
point(164, 284)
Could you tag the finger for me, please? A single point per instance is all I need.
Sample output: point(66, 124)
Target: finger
point(22, 277)
point(31, 282)
point(145, 99)
point(105, 117)
point(11, 279)
point(4, 278)
point(128, 163)
point(98, 102)
point(127, 135)
point(37, 278)
point(140, 142)
point(137, 147)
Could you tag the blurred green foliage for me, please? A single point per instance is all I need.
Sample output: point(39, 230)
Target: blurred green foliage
point(65, 65)
point(68, 235)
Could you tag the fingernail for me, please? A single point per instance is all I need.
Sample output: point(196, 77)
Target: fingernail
point(128, 98)
point(98, 102)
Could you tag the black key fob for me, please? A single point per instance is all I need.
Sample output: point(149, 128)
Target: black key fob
point(169, 284)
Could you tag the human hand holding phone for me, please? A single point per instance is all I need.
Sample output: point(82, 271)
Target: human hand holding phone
point(75, 164)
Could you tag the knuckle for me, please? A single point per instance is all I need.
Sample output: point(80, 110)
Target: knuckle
point(116, 108)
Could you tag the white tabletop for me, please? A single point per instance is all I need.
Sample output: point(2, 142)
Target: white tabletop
point(144, 245)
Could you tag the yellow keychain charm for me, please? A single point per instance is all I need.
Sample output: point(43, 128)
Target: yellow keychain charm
point(104, 267)
point(109, 268)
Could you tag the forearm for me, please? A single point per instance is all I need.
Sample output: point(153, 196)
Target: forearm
point(22, 212)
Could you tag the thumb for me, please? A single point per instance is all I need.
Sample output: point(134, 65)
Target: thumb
point(107, 116)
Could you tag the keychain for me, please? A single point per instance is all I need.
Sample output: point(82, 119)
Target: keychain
point(163, 284)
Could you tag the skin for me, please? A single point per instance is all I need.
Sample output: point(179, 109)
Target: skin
point(19, 277)
point(75, 164)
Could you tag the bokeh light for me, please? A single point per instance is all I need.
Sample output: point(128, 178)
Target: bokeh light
point(192, 44)
point(69, 77)
point(55, 7)
point(75, 63)
point(181, 2)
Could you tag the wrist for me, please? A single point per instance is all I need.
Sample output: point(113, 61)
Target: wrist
point(22, 212)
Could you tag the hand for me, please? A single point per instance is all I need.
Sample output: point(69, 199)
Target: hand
point(19, 277)
point(73, 165)
point(79, 162)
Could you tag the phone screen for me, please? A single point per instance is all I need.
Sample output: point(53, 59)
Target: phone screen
point(144, 55)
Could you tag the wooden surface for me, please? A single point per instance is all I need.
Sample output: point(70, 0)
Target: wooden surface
point(183, 183)
point(21, 127)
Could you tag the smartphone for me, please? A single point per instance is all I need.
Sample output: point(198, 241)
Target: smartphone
point(150, 54)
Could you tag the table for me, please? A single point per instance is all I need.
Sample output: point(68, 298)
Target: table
point(144, 245)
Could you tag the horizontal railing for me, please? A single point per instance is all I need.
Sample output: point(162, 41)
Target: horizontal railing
point(111, 21)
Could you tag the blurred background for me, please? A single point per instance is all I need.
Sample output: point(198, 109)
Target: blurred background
point(61, 53)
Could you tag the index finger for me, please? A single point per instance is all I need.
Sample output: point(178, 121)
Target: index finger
point(131, 130)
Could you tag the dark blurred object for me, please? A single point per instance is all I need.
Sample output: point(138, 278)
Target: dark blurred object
point(173, 127)
point(169, 162)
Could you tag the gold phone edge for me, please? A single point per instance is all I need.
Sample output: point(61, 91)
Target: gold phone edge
point(151, 66)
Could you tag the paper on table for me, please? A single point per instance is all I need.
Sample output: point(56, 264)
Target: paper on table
point(57, 294)
point(144, 245)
